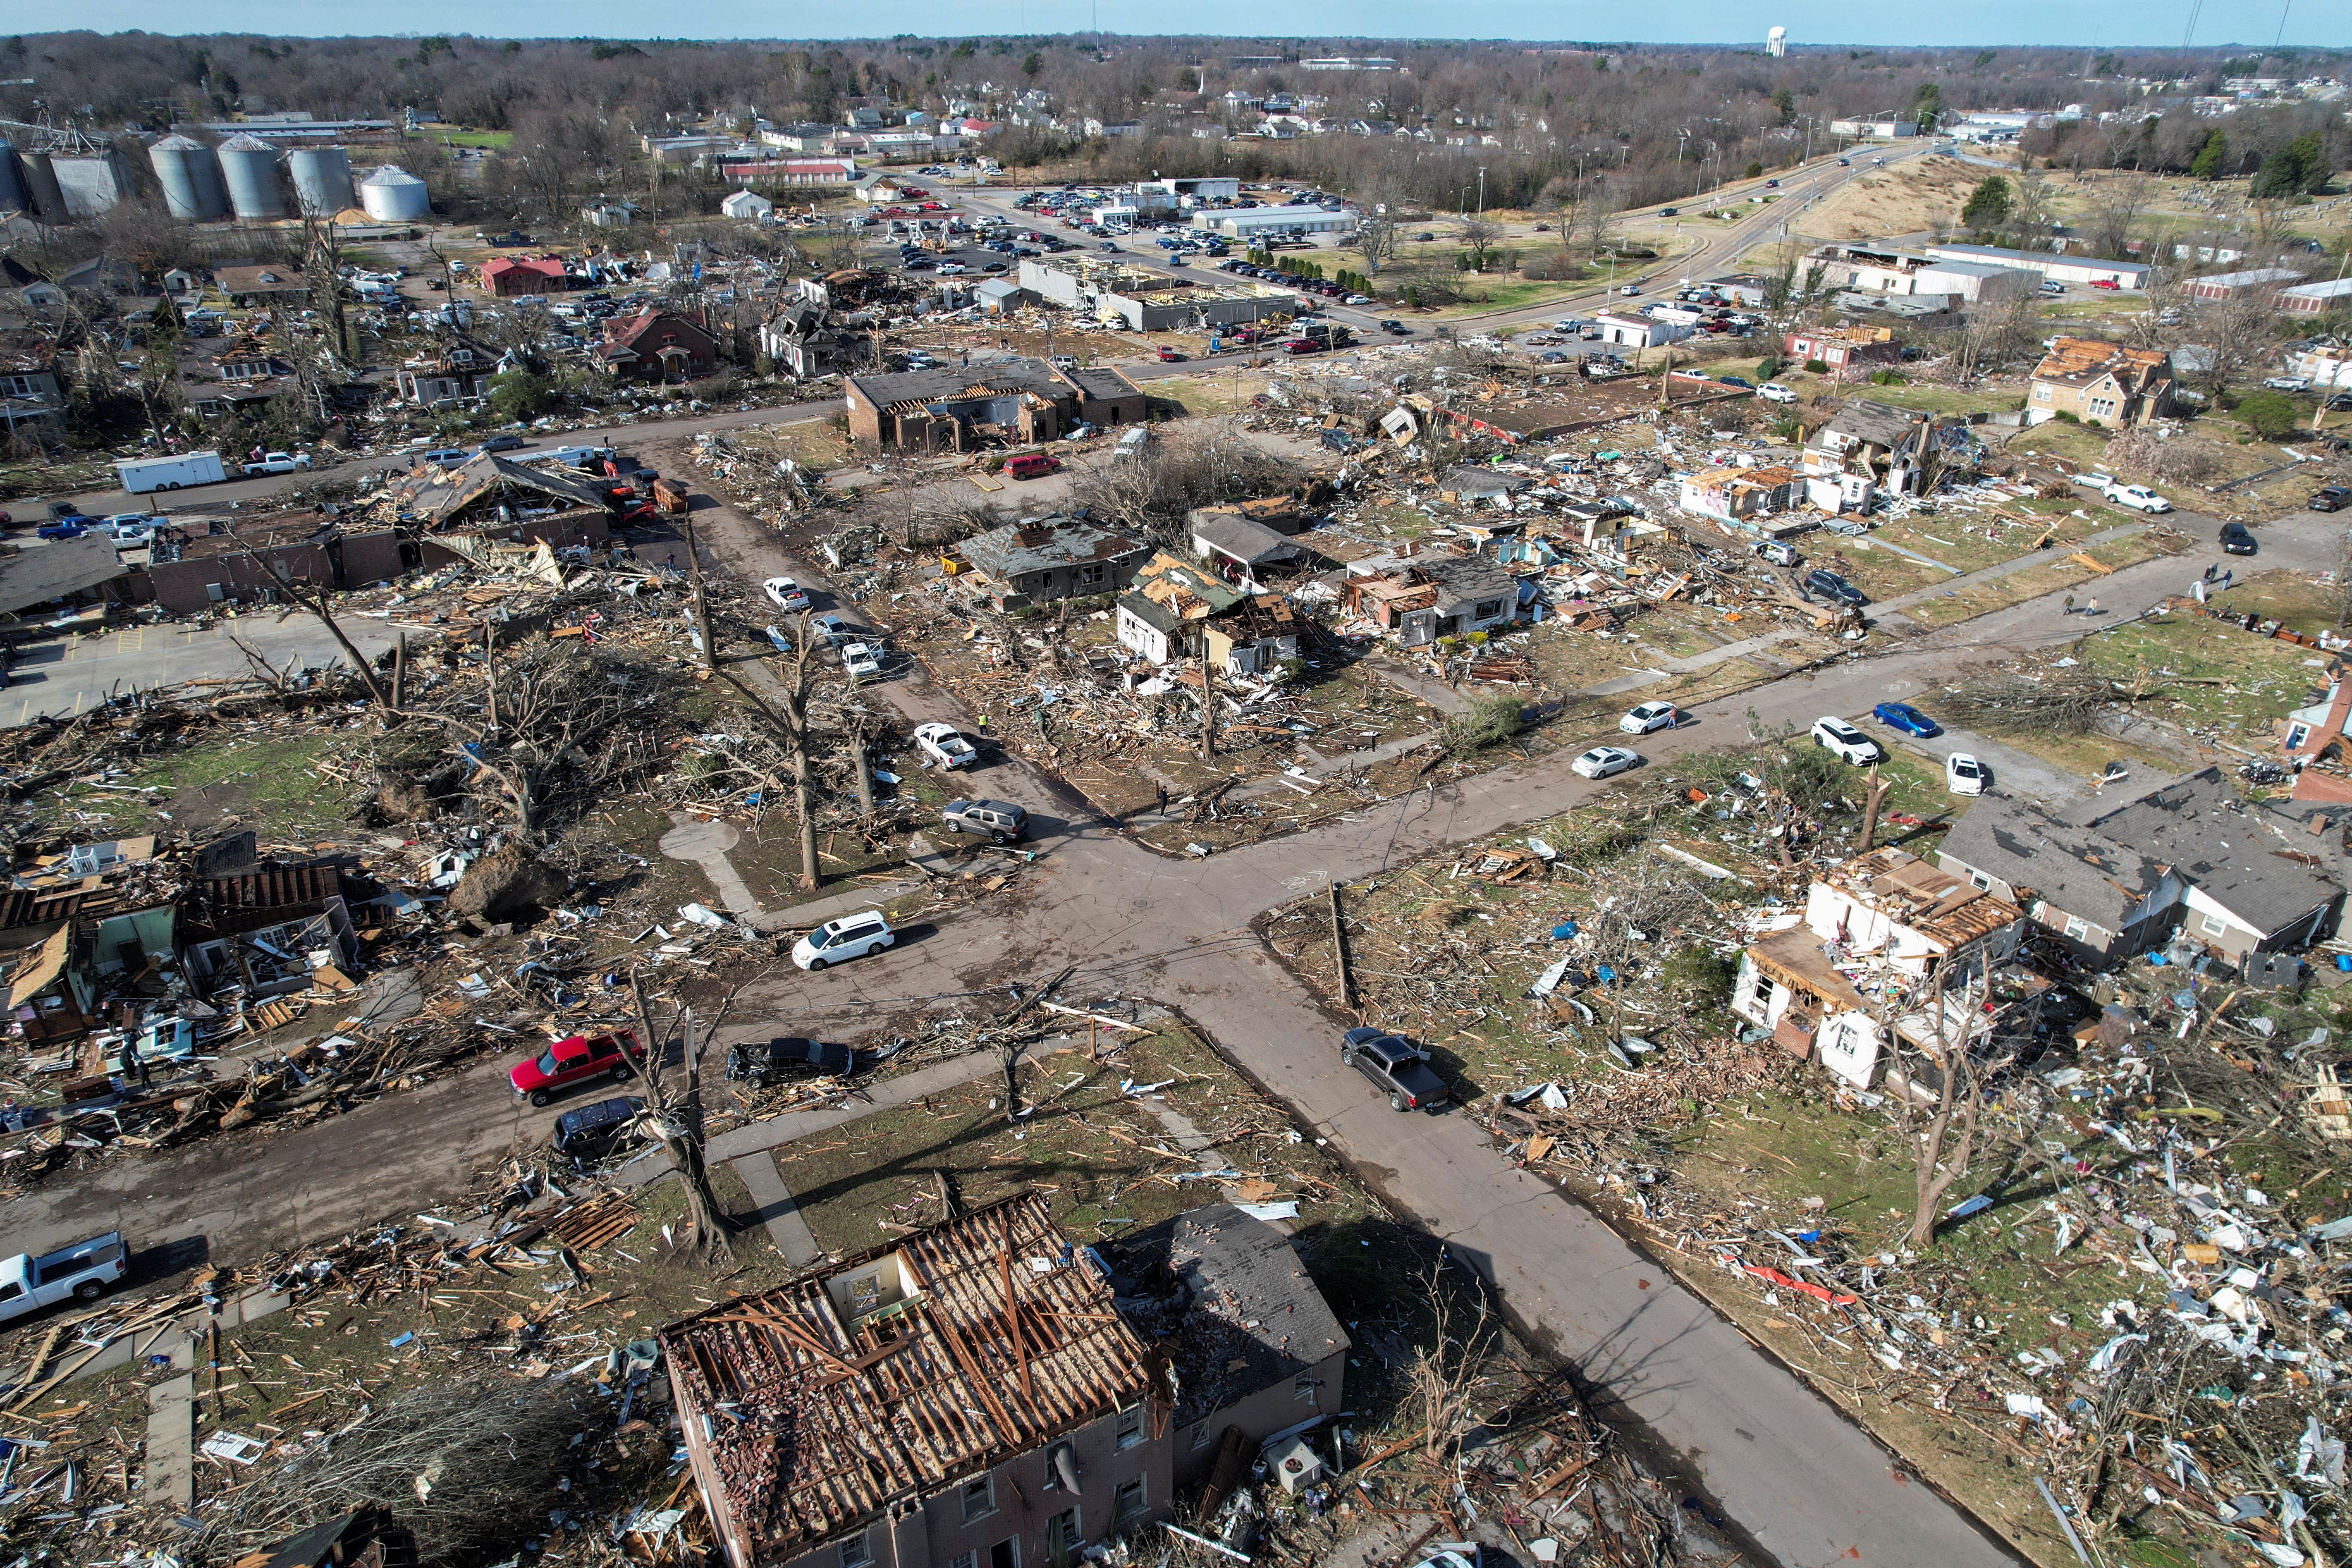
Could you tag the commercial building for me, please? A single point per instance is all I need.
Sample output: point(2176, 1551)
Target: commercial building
point(1639, 332)
point(1198, 187)
point(2081, 271)
point(1839, 347)
point(2257, 280)
point(1277, 223)
point(952, 409)
point(1885, 128)
point(1886, 270)
point(2318, 299)
point(1348, 63)
point(1148, 301)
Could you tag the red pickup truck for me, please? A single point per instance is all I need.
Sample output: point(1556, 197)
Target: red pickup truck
point(575, 1060)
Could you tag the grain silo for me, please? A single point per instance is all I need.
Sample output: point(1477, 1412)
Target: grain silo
point(12, 184)
point(250, 168)
point(92, 182)
point(191, 176)
point(323, 179)
point(41, 187)
point(393, 195)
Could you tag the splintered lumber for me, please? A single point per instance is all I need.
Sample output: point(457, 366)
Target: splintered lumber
point(597, 1222)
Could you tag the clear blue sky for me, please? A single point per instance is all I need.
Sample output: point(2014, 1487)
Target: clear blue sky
point(1985, 23)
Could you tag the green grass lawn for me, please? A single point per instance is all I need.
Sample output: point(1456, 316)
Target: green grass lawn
point(267, 784)
point(497, 139)
point(2200, 671)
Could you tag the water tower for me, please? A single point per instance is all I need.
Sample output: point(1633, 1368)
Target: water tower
point(1776, 42)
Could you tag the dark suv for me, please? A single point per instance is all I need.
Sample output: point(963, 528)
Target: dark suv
point(1396, 1066)
point(1000, 821)
point(756, 1062)
point(1830, 586)
point(596, 1131)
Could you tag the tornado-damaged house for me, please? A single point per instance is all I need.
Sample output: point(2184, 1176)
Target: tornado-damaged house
point(979, 1394)
point(953, 409)
point(1043, 558)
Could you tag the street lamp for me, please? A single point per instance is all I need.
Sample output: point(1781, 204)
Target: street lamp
point(1482, 193)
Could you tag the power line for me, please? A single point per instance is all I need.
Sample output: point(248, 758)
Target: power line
point(2190, 31)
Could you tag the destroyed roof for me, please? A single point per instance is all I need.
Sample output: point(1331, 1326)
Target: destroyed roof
point(1796, 959)
point(2073, 868)
point(1180, 590)
point(1923, 898)
point(1042, 544)
point(1101, 382)
point(2079, 362)
point(1253, 1318)
point(433, 495)
point(950, 382)
point(251, 899)
point(1880, 424)
point(810, 1407)
point(2201, 828)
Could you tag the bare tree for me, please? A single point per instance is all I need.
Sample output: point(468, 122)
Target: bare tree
point(2117, 203)
point(1945, 1081)
point(792, 679)
point(675, 1120)
point(1479, 236)
point(1442, 1383)
point(1376, 232)
point(315, 602)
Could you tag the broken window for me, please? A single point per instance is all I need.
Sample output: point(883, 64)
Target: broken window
point(1199, 1434)
point(856, 1554)
point(1128, 1501)
point(2078, 929)
point(1130, 1427)
point(2213, 925)
point(1303, 1388)
point(979, 1499)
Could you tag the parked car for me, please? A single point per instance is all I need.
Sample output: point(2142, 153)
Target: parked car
point(838, 941)
point(945, 745)
point(1778, 552)
point(862, 660)
point(1001, 822)
point(1602, 762)
point(1650, 716)
point(2139, 498)
point(785, 595)
point(82, 1270)
point(1904, 717)
point(1031, 466)
point(1851, 744)
point(1963, 775)
point(2237, 539)
point(598, 1131)
point(2328, 498)
point(833, 629)
point(756, 1062)
point(575, 1059)
point(2288, 383)
point(1172, 356)
point(1396, 329)
point(504, 443)
point(1734, 381)
point(2107, 283)
point(1773, 392)
point(1830, 586)
point(1396, 1066)
point(67, 528)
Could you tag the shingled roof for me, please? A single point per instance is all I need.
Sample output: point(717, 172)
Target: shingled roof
point(2224, 847)
point(2079, 362)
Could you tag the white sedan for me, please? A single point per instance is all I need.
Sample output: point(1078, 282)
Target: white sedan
point(944, 746)
point(785, 594)
point(1963, 775)
point(1602, 760)
point(862, 661)
point(1650, 716)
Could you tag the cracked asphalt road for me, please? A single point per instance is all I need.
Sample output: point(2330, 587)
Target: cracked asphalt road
point(1805, 1486)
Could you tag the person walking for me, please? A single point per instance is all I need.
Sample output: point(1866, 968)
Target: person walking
point(2227, 572)
point(2070, 603)
point(1163, 800)
point(2093, 607)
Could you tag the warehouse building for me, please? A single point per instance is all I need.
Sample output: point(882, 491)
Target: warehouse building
point(1147, 302)
point(1277, 222)
point(2081, 271)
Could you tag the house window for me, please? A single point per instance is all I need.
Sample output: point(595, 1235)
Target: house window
point(2212, 925)
point(1487, 609)
point(855, 1554)
point(1090, 574)
point(2296, 734)
point(979, 1499)
point(1061, 1536)
point(2077, 929)
point(1130, 1427)
point(1199, 1434)
point(964, 1560)
point(2040, 394)
point(1303, 1388)
point(1980, 881)
point(1128, 1501)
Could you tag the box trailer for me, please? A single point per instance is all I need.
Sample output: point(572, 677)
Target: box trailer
point(141, 476)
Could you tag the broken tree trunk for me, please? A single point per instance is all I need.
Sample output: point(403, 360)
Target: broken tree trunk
point(1872, 804)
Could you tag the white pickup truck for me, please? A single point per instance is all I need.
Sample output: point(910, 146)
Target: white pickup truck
point(2139, 498)
point(84, 1270)
point(279, 463)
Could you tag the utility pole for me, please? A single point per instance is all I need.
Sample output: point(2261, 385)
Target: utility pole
point(1208, 703)
point(1482, 193)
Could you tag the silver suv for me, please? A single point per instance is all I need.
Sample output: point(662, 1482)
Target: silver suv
point(1000, 821)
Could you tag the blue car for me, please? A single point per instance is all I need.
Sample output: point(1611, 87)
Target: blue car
point(1904, 717)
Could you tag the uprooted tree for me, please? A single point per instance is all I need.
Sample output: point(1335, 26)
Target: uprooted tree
point(1150, 494)
point(2033, 699)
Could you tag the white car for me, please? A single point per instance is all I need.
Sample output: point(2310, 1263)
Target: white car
point(1773, 392)
point(2139, 498)
point(834, 629)
point(851, 936)
point(861, 660)
point(785, 594)
point(1650, 716)
point(2288, 383)
point(1850, 743)
point(1963, 775)
point(945, 745)
point(1602, 760)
